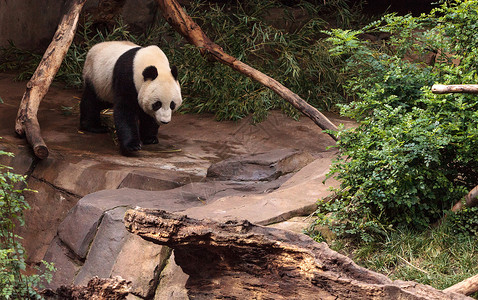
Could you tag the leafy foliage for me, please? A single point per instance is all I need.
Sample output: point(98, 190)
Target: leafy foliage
point(14, 284)
point(291, 51)
point(414, 153)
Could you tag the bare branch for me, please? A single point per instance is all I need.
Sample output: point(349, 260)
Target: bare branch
point(27, 121)
point(455, 88)
point(180, 21)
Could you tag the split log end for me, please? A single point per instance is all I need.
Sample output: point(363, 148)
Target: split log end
point(439, 89)
point(41, 151)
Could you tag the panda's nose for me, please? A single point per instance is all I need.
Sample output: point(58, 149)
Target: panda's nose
point(164, 122)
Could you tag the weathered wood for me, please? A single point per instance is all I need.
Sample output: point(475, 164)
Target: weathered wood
point(97, 289)
point(465, 287)
point(239, 260)
point(472, 197)
point(183, 24)
point(27, 122)
point(455, 88)
point(471, 200)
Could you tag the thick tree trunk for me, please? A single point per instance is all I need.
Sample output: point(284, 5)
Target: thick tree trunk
point(239, 260)
point(27, 121)
point(180, 21)
point(455, 88)
point(466, 287)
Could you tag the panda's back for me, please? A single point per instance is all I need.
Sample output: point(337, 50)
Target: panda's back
point(99, 65)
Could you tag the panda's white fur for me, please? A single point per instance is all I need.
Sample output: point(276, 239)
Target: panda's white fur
point(138, 82)
point(99, 66)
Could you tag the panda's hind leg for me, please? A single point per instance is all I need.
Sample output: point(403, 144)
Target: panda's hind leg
point(90, 109)
point(148, 129)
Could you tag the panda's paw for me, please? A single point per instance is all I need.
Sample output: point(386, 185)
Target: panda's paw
point(130, 148)
point(150, 140)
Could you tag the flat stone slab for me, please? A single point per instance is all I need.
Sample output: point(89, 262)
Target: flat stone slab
point(298, 196)
point(172, 282)
point(261, 166)
point(105, 248)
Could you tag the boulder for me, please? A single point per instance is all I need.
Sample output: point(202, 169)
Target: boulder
point(172, 282)
point(105, 247)
point(261, 166)
point(144, 276)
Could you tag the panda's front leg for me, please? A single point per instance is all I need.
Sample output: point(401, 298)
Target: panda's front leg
point(148, 128)
point(127, 131)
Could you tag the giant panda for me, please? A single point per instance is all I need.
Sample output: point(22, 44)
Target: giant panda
point(138, 83)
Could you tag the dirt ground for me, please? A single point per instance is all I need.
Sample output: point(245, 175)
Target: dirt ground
point(189, 133)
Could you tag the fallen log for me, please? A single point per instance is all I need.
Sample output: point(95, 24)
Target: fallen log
point(239, 260)
point(465, 287)
point(97, 289)
point(455, 88)
point(182, 23)
point(26, 123)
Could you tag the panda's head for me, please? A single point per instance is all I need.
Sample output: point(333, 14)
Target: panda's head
point(159, 93)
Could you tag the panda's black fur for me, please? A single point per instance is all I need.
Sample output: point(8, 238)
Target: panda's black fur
point(134, 126)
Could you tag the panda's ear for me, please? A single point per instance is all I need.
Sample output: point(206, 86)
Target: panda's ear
point(150, 73)
point(174, 71)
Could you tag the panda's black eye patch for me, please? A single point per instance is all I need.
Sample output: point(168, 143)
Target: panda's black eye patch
point(157, 105)
point(172, 105)
point(150, 73)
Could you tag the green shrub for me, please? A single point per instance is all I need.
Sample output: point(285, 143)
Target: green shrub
point(414, 153)
point(14, 284)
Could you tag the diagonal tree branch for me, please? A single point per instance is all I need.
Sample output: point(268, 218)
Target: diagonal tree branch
point(27, 121)
point(182, 23)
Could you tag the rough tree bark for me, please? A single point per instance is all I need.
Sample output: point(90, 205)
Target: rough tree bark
point(466, 287)
point(96, 289)
point(27, 122)
point(455, 88)
point(183, 24)
point(239, 260)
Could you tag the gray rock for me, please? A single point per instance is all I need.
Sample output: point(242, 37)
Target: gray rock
point(260, 167)
point(153, 181)
point(97, 219)
point(141, 262)
point(80, 176)
point(66, 268)
point(79, 228)
point(105, 248)
point(296, 224)
point(172, 284)
point(298, 196)
point(42, 223)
